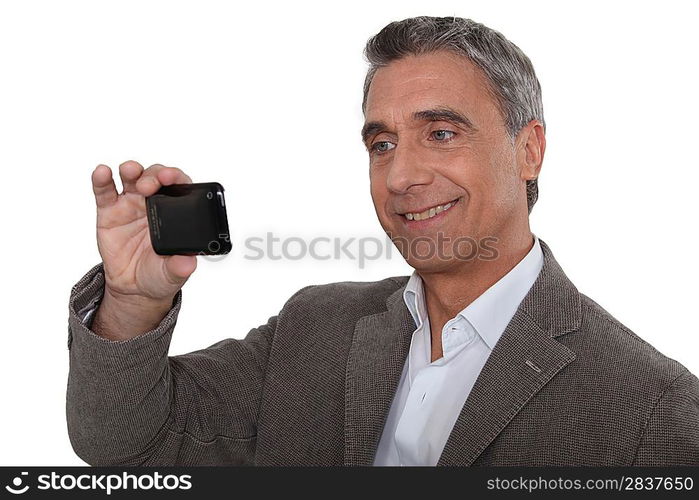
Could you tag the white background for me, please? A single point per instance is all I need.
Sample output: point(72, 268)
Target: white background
point(265, 98)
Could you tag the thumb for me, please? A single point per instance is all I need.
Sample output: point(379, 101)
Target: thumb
point(180, 267)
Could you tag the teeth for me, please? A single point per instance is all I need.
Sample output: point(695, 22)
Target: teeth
point(429, 213)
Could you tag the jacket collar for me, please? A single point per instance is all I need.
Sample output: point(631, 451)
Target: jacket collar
point(525, 358)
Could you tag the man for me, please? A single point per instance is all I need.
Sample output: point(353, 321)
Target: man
point(486, 355)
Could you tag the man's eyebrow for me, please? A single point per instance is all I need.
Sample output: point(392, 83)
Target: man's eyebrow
point(431, 115)
point(444, 115)
point(371, 128)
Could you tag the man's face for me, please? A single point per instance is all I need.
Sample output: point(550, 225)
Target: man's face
point(437, 139)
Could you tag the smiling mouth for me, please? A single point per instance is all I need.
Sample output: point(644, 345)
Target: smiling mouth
point(430, 212)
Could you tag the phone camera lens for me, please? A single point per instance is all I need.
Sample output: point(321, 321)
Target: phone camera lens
point(209, 195)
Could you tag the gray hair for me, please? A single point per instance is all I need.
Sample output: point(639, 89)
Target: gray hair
point(514, 85)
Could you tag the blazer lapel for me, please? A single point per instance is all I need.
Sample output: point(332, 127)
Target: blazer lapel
point(525, 358)
point(378, 352)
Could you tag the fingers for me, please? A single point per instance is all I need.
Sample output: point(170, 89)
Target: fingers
point(172, 175)
point(156, 176)
point(103, 186)
point(134, 179)
point(130, 171)
point(180, 267)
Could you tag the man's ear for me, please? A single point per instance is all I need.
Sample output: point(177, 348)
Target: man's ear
point(531, 145)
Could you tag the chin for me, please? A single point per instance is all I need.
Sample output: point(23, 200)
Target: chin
point(434, 265)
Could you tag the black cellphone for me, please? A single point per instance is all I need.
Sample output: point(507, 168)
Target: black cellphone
point(189, 219)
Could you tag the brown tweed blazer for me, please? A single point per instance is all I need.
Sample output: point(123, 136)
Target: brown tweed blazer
point(566, 384)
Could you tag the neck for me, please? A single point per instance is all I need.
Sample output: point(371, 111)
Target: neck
point(448, 293)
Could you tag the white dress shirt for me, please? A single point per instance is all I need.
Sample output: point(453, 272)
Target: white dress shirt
point(430, 395)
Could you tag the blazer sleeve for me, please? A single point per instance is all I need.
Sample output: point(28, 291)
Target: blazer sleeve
point(129, 403)
point(671, 435)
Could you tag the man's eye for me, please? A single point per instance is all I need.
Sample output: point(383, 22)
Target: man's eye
point(382, 146)
point(442, 135)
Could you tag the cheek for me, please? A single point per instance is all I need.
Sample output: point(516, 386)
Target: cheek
point(503, 181)
point(470, 174)
point(504, 168)
point(377, 188)
point(482, 183)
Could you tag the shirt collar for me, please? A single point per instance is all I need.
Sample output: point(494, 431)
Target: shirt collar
point(414, 297)
point(490, 313)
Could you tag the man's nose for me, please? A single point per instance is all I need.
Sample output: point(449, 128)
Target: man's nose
point(408, 168)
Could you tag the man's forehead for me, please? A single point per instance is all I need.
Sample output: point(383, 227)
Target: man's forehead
point(424, 82)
